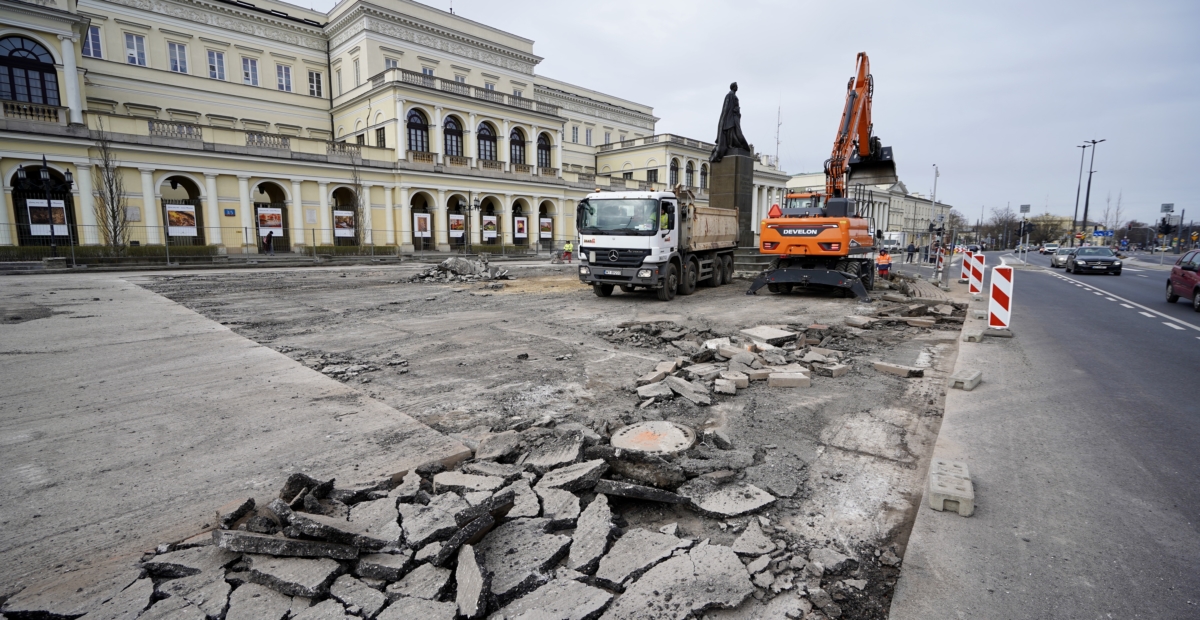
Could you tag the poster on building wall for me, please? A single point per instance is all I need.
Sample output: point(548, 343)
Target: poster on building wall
point(489, 227)
point(343, 224)
point(181, 221)
point(546, 228)
point(39, 217)
point(458, 224)
point(421, 225)
point(269, 219)
point(520, 227)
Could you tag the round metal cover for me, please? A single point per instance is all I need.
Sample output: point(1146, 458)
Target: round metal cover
point(656, 436)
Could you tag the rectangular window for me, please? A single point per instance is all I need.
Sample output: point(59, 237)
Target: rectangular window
point(250, 71)
point(517, 93)
point(627, 176)
point(489, 86)
point(361, 138)
point(357, 74)
point(461, 79)
point(427, 70)
point(381, 138)
point(314, 84)
point(607, 137)
point(283, 78)
point(91, 43)
point(216, 65)
point(652, 176)
point(391, 63)
point(178, 57)
point(587, 135)
point(135, 49)
point(575, 134)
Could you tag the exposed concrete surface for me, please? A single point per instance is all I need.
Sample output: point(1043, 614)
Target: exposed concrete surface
point(127, 419)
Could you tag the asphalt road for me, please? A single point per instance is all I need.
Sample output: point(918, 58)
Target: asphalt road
point(1083, 441)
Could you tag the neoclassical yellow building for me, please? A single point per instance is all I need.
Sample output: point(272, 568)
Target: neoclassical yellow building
point(387, 124)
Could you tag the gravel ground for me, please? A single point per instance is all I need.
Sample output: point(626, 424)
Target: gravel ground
point(847, 456)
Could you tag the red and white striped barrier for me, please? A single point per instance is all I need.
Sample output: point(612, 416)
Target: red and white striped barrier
point(966, 266)
point(975, 273)
point(941, 259)
point(1000, 300)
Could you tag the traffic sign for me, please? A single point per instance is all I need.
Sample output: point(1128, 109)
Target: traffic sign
point(1168, 207)
point(1102, 233)
point(1078, 235)
point(1024, 208)
point(1196, 236)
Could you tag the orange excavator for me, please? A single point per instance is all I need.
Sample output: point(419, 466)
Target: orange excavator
point(824, 241)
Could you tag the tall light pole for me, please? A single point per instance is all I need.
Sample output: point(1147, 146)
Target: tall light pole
point(1078, 185)
point(1088, 197)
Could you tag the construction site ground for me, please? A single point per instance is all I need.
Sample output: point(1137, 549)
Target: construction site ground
point(846, 457)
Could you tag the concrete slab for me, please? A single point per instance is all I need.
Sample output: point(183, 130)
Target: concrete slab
point(593, 531)
point(178, 395)
point(965, 379)
point(518, 553)
point(788, 380)
point(721, 501)
point(351, 591)
point(635, 553)
point(561, 599)
point(409, 608)
point(707, 577)
point(294, 576)
point(770, 335)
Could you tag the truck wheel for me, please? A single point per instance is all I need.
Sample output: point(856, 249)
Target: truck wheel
point(727, 260)
point(774, 288)
point(718, 269)
point(602, 290)
point(687, 283)
point(670, 281)
point(868, 279)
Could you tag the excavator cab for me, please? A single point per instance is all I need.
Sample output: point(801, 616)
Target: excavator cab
point(878, 168)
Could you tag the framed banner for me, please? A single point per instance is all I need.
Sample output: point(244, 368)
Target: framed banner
point(489, 227)
point(40, 214)
point(421, 225)
point(520, 227)
point(458, 224)
point(343, 223)
point(270, 219)
point(181, 220)
point(546, 228)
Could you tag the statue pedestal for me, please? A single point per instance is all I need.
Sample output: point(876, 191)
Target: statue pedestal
point(731, 186)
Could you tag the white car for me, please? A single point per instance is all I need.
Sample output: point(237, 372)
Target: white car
point(1050, 248)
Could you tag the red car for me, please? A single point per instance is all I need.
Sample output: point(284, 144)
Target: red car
point(1185, 281)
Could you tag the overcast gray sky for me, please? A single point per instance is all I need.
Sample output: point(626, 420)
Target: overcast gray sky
point(997, 94)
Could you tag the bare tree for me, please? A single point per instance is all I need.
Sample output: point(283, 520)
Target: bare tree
point(111, 203)
point(357, 206)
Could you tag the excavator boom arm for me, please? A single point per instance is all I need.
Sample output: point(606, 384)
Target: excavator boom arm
point(854, 130)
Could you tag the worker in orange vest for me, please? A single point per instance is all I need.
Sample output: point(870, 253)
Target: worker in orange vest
point(884, 262)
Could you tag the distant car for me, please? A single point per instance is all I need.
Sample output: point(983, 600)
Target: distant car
point(972, 248)
point(1059, 258)
point(1185, 280)
point(1050, 248)
point(1093, 260)
point(1163, 248)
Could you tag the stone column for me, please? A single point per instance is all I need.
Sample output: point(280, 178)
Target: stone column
point(476, 227)
point(470, 140)
point(505, 223)
point(71, 79)
point(368, 223)
point(389, 216)
point(325, 221)
point(150, 207)
point(406, 240)
point(87, 204)
point(212, 212)
point(401, 131)
point(296, 215)
point(435, 136)
point(560, 221)
point(502, 146)
point(531, 158)
point(558, 150)
point(441, 223)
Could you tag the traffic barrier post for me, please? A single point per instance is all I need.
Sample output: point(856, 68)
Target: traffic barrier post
point(966, 266)
point(976, 272)
point(1000, 299)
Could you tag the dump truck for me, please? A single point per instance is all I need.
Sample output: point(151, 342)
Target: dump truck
point(825, 240)
point(660, 241)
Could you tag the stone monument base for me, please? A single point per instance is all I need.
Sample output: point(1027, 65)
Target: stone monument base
point(731, 186)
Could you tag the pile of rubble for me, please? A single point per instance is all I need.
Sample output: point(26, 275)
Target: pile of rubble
point(528, 528)
point(457, 269)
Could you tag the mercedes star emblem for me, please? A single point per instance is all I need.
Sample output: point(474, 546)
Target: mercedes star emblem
point(612, 256)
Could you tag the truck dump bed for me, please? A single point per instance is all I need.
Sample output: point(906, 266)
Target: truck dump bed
point(709, 228)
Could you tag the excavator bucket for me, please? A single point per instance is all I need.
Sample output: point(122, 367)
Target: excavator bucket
point(878, 169)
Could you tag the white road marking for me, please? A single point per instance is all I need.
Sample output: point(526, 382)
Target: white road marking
point(1132, 304)
point(1095, 293)
point(1142, 276)
point(1128, 306)
point(1132, 269)
point(1172, 326)
point(1146, 314)
point(1110, 298)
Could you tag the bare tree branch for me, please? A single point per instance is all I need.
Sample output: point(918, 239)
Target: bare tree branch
point(111, 203)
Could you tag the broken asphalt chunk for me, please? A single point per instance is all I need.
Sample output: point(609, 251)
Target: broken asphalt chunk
point(518, 553)
point(497, 505)
point(633, 554)
point(474, 584)
point(294, 576)
point(459, 482)
point(593, 531)
point(262, 544)
point(350, 591)
point(708, 576)
point(385, 566)
point(469, 534)
point(637, 491)
point(425, 581)
point(563, 599)
point(577, 477)
point(723, 501)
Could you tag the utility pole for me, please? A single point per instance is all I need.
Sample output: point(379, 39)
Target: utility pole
point(1088, 198)
point(1078, 185)
point(778, 124)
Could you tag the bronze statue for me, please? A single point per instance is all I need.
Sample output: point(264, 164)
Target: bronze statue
point(729, 129)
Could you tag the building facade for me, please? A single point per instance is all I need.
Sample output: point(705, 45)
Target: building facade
point(387, 124)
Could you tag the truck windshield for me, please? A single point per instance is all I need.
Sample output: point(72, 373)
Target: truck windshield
point(612, 216)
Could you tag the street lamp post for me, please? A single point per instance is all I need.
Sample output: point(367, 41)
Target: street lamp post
point(1078, 185)
point(1088, 198)
point(46, 184)
point(474, 206)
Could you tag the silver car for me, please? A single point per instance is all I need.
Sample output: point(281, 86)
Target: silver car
point(1059, 259)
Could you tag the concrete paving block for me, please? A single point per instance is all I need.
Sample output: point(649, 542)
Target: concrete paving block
point(899, 370)
point(833, 370)
point(921, 322)
point(518, 553)
point(577, 477)
point(703, 372)
point(951, 493)
point(716, 343)
point(757, 374)
point(729, 351)
point(725, 386)
point(459, 482)
point(294, 576)
point(667, 367)
point(998, 333)
point(651, 377)
point(593, 531)
point(770, 335)
point(945, 467)
point(860, 322)
point(740, 379)
point(979, 314)
point(412, 608)
point(972, 335)
point(788, 380)
point(707, 577)
point(635, 553)
point(966, 380)
point(351, 591)
point(425, 581)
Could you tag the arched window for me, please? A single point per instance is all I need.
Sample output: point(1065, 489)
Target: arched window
point(27, 72)
point(516, 147)
point(674, 172)
point(703, 176)
point(487, 142)
point(690, 175)
point(454, 137)
point(543, 147)
point(418, 132)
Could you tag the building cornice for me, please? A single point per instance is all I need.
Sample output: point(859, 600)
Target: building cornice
point(369, 17)
point(44, 10)
point(230, 17)
point(591, 107)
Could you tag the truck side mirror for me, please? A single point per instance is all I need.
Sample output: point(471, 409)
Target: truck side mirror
point(878, 233)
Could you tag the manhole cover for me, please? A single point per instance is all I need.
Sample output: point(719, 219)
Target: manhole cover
point(655, 436)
